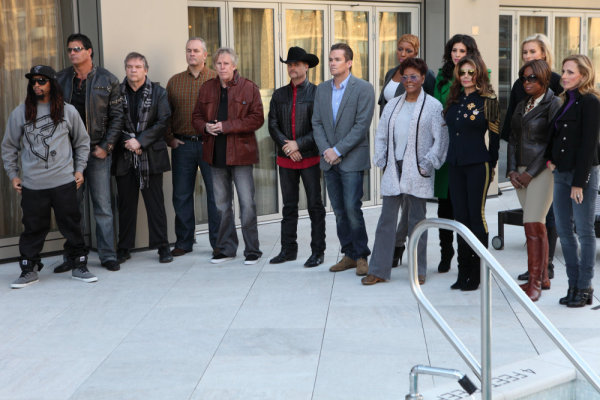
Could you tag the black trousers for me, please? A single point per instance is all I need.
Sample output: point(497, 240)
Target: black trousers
point(468, 189)
point(290, 186)
point(127, 201)
point(446, 236)
point(36, 206)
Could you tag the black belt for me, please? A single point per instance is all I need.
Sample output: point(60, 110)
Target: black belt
point(191, 138)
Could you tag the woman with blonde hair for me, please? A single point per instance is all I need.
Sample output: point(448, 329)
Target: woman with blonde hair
point(471, 110)
point(535, 47)
point(573, 158)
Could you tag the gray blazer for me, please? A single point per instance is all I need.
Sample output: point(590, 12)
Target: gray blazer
point(350, 135)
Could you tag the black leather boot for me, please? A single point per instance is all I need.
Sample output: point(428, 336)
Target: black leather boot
point(581, 298)
point(398, 251)
point(569, 297)
point(447, 250)
point(552, 237)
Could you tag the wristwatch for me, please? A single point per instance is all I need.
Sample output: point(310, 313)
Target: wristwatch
point(109, 148)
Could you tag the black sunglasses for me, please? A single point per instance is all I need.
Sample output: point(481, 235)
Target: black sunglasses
point(39, 81)
point(75, 49)
point(463, 72)
point(530, 78)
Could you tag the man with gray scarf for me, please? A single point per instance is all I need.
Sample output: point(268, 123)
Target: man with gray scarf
point(140, 158)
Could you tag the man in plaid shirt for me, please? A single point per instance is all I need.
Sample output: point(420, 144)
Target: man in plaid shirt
point(182, 90)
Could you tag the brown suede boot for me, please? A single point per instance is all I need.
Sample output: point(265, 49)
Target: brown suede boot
point(536, 258)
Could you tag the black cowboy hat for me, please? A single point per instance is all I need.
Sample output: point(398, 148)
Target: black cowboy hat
point(299, 54)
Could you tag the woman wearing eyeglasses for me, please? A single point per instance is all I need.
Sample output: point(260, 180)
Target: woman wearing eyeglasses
point(573, 157)
point(535, 47)
point(410, 143)
point(471, 110)
point(527, 170)
point(456, 48)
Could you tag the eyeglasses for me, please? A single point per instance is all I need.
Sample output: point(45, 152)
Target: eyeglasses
point(412, 78)
point(530, 78)
point(464, 72)
point(39, 81)
point(75, 49)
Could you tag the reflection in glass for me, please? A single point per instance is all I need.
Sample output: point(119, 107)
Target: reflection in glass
point(594, 45)
point(304, 28)
point(529, 25)
point(505, 83)
point(352, 27)
point(29, 36)
point(392, 25)
point(205, 22)
point(566, 39)
point(254, 43)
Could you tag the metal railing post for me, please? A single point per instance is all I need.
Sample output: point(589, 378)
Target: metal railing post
point(486, 331)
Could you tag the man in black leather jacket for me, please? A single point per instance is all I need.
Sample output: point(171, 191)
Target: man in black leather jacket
point(297, 156)
point(94, 92)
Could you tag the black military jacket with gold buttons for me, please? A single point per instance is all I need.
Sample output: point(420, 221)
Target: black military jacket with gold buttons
point(574, 137)
point(467, 125)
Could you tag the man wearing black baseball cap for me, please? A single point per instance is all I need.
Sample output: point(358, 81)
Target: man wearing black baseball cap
point(54, 146)
point(297, 156)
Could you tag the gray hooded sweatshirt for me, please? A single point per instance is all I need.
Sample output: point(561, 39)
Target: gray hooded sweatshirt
point(50, 154)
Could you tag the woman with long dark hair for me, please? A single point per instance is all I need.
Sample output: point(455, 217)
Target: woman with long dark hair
point(527, 170)
point(471, 110)
point(456, 48)
point(573, 158)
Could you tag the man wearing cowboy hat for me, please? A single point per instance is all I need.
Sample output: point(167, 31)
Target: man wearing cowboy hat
point(290, 127)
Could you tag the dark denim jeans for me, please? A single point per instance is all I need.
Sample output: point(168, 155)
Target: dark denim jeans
point(186, 159)
point(580, 268)
point(345, 191)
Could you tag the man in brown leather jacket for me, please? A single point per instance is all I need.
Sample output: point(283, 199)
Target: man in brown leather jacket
point(228, 112)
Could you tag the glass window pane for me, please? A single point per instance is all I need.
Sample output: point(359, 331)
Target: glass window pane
point(254, 41)
point(529, 25)
point(594, 44)
point(304, 28)
point(205, 22)
point(505, 82)
point(392, 25)
point(566, 38)
point(352, 27)
point(29, 35)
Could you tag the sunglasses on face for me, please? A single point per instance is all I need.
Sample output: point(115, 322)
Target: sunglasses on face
point(39, 81)
point(530, 78)
point(412, 78)
point(464, 72)
point(74, 49)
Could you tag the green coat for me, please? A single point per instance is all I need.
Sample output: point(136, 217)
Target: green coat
point(440, 188)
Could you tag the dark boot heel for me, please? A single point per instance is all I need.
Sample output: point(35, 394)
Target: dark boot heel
point(398, 251)
point(582, 297)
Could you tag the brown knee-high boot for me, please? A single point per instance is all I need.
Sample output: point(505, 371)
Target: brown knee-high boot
point(537, 259)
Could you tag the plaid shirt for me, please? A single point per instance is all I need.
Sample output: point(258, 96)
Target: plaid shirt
point(182, 90)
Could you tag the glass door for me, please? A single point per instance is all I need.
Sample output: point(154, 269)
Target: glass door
point(593, 43)
point(253, 32)
point(567, 34)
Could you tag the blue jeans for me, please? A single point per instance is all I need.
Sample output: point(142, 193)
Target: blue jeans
point(345, 191)
point(227, 240)
point(97, 181)
point(580, 268)
point(186, 159)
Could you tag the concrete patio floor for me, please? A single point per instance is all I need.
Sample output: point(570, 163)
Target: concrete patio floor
point(194, 330)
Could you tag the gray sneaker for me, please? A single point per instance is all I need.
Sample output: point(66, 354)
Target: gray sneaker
point(26, 279)
point(81, 273)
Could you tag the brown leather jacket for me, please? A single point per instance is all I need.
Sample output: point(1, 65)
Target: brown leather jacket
point(244, 116)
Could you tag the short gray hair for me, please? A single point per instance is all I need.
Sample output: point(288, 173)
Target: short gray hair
point(133, 55)
point(226, 50)
point(198, 38)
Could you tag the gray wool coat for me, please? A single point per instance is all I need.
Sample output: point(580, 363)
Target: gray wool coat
point(431, 151)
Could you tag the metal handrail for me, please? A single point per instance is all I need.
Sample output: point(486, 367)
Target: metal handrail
point(489, 264)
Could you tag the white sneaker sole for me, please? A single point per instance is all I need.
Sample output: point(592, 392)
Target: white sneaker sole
point(221, 260)
point(87, 280)
point(22, 285)
point(251, 262)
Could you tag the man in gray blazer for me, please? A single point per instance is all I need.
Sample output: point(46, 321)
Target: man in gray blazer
point(342, 114)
